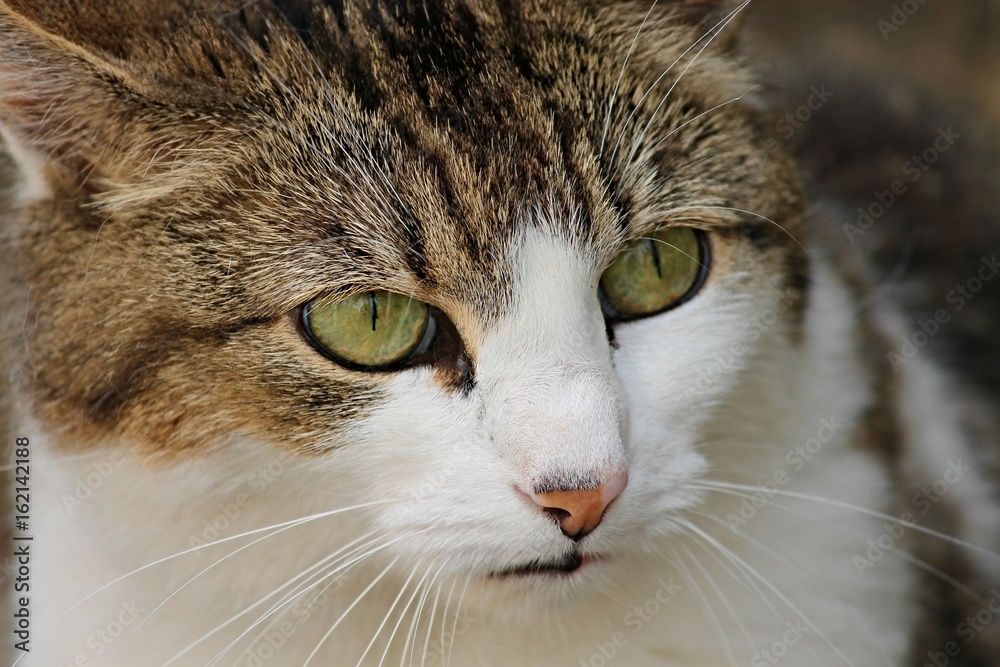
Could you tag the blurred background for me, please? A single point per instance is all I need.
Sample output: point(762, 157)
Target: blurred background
point(951, 45)
point(896, 75)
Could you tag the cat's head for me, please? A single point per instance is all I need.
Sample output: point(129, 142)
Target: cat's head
point(501, 267)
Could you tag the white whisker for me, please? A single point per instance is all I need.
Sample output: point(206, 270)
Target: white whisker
point(447, 605)
point(898, 551)
point(706, 607)
point(649, 122)
point(385, 619)
point(711, 485)
point(671, 245)
point(454, 627)
point(292, 522)
point(337, 572)
point(292, 595)
point(358, 599)
point(751, 644)
point(417, 590)
point(709, 34)
point(680, 209)
point(296, 592)
point(152, 612)
point(618, 83)
point(781, 596)
point(411, 635)
point(430, 624)
point(678, 128)
point(832, 595)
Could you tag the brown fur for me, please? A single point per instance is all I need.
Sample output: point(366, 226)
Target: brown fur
point(216, 168)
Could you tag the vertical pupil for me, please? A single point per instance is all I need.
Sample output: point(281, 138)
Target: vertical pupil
point(656, 258)
point(374, 306)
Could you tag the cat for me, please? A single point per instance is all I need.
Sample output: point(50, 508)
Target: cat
point(468, 332)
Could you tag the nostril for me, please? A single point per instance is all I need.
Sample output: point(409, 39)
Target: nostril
point(579, 508)
point(559, 513)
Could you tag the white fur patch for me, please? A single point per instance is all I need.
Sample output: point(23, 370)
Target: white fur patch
point(33, 186)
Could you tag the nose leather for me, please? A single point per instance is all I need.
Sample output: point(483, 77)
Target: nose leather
point(580, 510)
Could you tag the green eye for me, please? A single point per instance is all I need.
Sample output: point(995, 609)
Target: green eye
point(653, 274)
point(374, 329)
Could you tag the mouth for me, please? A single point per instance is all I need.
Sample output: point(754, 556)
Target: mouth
point(567, 565)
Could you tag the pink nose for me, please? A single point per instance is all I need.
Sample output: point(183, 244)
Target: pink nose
point(580, 510)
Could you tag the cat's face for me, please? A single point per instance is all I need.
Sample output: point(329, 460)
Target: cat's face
point(203, 194)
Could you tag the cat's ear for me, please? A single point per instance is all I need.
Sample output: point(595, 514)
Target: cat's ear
point(77, 108)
